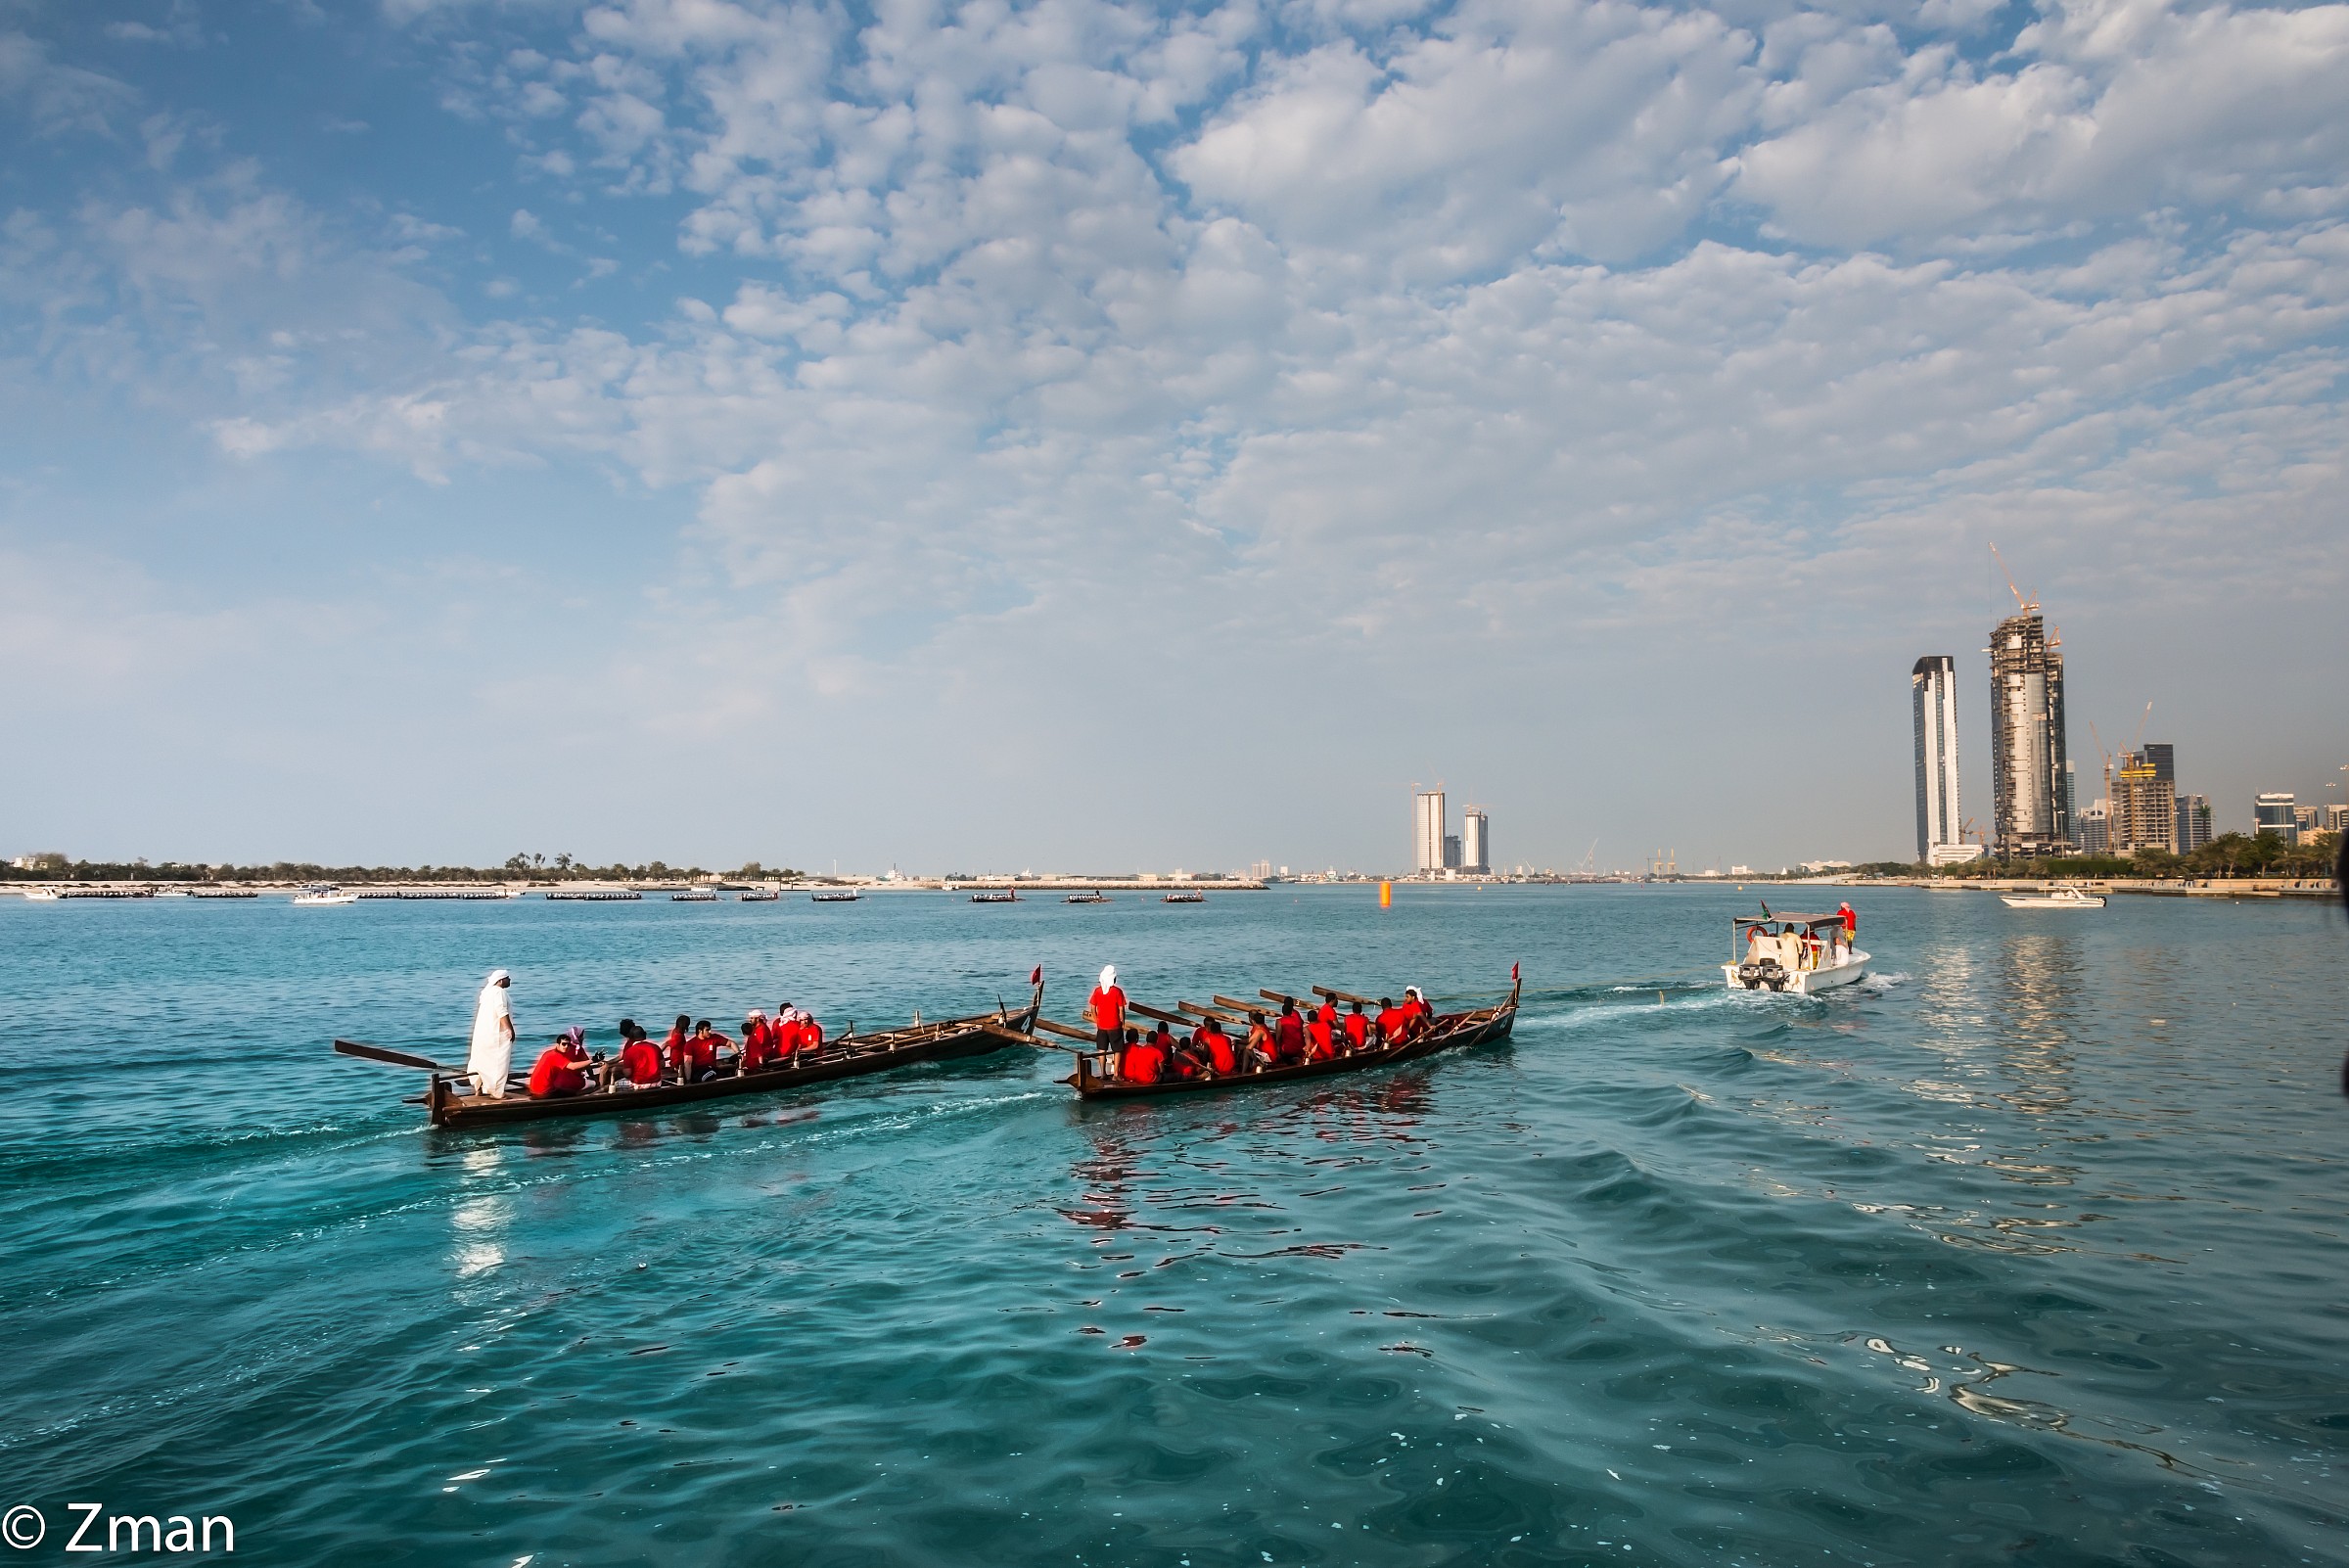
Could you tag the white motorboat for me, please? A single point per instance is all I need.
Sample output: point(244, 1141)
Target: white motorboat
point(325, 892)
point(1799, 954)
point(41, 895)
point(2055, 896)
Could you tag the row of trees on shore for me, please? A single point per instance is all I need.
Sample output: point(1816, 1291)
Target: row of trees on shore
point(2229, 855)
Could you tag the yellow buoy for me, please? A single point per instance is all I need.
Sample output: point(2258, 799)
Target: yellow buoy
point(1386, 895)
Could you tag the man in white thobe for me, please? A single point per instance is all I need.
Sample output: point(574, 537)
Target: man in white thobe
point(491, 1057)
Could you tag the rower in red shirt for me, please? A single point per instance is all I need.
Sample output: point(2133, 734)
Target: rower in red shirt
point(1289, 1034)
point(1320, 1041)
point(1222, 1059)
point(757, 1042)
point(639, 1058)
point(812, 1036)
point(560, 1069)
point(1357, 1028)
point(673, 1045)
point(1392, 1020)
point(1144, 1061)
point(697, 1055)
point(1262, 1050)
point(1106, 1007)
point(1327, 1012)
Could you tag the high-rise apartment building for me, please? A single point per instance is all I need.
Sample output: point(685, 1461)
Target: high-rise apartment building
point(2194, 822)
point(2272, 812)
point(1476, 841)
point(2096, 829)
point(1933, 701)
point(2335, 819)
point(1427, 830)
point(1452, 852)
point(2144, 801)
point(2029, 812)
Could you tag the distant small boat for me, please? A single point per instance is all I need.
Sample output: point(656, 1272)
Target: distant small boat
point(842, 895)
point(693, 897)
point(222, 893)
point(2060, 895)
point(1185, 898)
point(1087, 898)
point(1004, 897)
point(319, 892)
point(593, 895)
point(749, 895)
point(41, 895)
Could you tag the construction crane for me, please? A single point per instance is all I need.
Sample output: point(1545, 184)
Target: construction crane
point(2022, 605)
point(1590, 859)
point(2107, 755)
point(2138, 744)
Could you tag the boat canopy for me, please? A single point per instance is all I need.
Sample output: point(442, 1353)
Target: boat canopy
point(1812, 920)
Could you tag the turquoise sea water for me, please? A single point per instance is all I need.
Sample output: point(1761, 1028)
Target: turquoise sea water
point(2033, 1251)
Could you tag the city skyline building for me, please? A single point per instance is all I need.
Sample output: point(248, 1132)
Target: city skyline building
point(2096, 828)
point(2271, 812)
point(2144, 801)
point(2030, 815)
point(1452, 852)
point(1933, 703)
point(2194, 822)
point(1476, 841)
point(1427, 829)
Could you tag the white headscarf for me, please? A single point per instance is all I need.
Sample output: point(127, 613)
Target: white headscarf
point(1109, 976)
point(491, 1056)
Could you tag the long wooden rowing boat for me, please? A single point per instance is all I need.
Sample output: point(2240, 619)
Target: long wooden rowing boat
point(1475, 1026)
point(852, 1055)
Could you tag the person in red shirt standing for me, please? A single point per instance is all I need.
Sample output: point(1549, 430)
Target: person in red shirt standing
point(1851, 922)
point(1106, 1007)
point(560, 1069)
point(1289, 1034)
point(1357, 1028)
point(639, 1063)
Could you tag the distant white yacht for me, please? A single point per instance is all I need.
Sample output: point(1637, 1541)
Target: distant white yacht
point(324, 893)
point(2056, 895)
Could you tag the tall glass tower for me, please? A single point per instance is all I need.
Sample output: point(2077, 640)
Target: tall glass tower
point(1933, 695)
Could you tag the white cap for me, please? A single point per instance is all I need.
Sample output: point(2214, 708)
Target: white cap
point(496, 975)
point(1109, 974)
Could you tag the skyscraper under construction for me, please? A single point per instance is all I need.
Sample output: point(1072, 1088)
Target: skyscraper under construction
point(2030, 814)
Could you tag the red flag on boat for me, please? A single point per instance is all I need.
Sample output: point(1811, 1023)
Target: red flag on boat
point(1512, 974)
point(1035, 976)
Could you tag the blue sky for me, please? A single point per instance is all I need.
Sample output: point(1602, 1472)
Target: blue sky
point(1088, 435)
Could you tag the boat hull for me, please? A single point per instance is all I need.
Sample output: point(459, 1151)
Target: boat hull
point(1808, 982)
point(1449, 1031)
point(2027, 902)
point(946, 1041)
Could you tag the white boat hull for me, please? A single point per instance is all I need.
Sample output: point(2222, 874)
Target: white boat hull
point(326, 897)
point(1810, 982)
point(2036, 900)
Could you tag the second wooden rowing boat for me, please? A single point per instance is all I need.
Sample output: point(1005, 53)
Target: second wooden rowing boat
point(852, 1055)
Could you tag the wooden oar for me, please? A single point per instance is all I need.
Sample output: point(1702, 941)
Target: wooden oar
point(1242, 1007)
point(383, 1053)
point(1006, 1031)
point(1221, 1015)
point(1345, 997)
point(1065, 1031)
point(1152, 1012)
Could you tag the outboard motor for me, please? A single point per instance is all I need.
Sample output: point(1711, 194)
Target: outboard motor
point(1756, 972)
